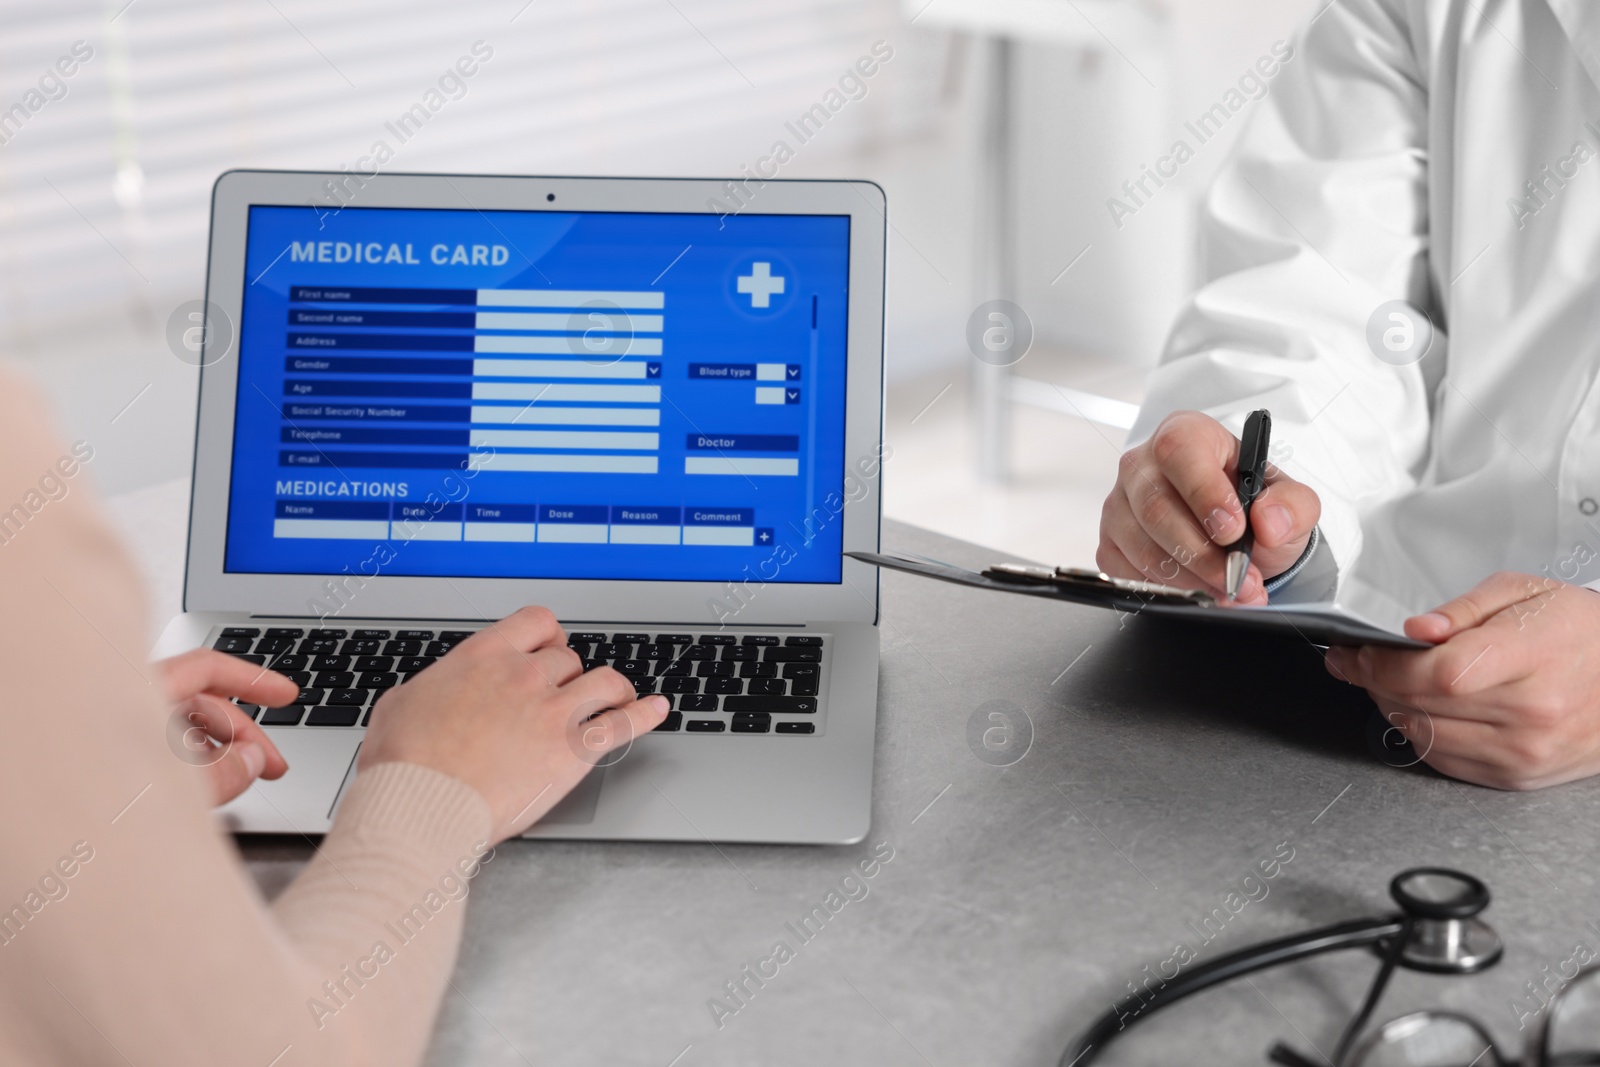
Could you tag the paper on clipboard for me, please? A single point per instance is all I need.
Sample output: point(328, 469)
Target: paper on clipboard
point(1320, 624)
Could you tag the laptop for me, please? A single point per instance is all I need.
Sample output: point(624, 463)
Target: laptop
point(651, 405)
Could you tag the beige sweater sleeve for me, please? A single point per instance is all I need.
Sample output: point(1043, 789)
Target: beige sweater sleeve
point(129, 930)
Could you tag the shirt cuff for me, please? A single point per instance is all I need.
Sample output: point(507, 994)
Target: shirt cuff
point(1314, 577)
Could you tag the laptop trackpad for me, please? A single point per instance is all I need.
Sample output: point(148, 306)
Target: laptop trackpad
point(578, 806)
point(300, 802)
point(322, 768)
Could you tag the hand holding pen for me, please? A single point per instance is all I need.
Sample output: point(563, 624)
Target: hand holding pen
point(1177, 510)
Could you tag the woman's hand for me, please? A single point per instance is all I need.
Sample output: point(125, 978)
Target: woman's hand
point(510, 712)
point(1509, 696)
point(209, 732)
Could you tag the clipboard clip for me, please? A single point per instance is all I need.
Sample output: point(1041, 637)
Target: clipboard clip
point(1096, 582)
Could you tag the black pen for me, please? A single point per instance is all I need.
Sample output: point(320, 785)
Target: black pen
point(1253, 447)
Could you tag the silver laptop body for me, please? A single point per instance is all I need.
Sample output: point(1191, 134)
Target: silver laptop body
point(429, 400)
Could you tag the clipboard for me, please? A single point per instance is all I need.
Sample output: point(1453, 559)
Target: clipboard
point(1320, 624)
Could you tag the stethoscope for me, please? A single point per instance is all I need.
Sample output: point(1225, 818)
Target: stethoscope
point(1437, 931)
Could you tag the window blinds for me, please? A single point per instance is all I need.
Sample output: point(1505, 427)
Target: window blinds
point(105, 172)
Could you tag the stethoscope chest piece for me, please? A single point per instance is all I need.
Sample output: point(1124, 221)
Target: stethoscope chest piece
point(1446, 935)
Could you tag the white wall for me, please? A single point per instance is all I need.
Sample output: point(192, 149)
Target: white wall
point(1091, 121)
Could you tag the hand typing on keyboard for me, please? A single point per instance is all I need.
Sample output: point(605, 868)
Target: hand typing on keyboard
point(500, 712)
point(209, 732)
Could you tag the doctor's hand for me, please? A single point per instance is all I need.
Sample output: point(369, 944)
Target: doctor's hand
point(1510, 695)
point(208, 731)
point(1175, 507)
point(510, 712)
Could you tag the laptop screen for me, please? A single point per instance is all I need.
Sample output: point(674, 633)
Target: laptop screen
point(541, 395)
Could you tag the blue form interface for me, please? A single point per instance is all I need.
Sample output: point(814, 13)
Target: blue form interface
point(533, 394)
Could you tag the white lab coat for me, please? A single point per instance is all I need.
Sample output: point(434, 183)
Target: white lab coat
point(1388, 162)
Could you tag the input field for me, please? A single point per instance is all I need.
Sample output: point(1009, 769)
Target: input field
point(746, 465)
point(332, 529)
point(569, 321)
point(567, 298)
point(558, 368)
point(771, 372)
point(500, 531)
point(570, 345)
point(425, 531)
point(563, 464)
point(542, 415)
point(572, 533)
point(768, 394)
point(719, 535)
point(616, 440)
point(641, 534)
point(554, 393)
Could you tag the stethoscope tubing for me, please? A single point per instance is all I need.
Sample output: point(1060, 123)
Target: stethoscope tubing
point(1356, 933)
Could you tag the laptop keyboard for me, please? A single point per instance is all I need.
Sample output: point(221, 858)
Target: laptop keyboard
point(717, 683)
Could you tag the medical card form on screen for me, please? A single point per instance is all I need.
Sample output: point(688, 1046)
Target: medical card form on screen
point(539, 394)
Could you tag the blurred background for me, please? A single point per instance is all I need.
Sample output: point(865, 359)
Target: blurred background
point(1000, 129)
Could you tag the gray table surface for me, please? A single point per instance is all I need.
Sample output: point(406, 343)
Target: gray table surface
point(1022, 899)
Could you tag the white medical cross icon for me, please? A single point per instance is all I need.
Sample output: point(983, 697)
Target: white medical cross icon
point(761, 284)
